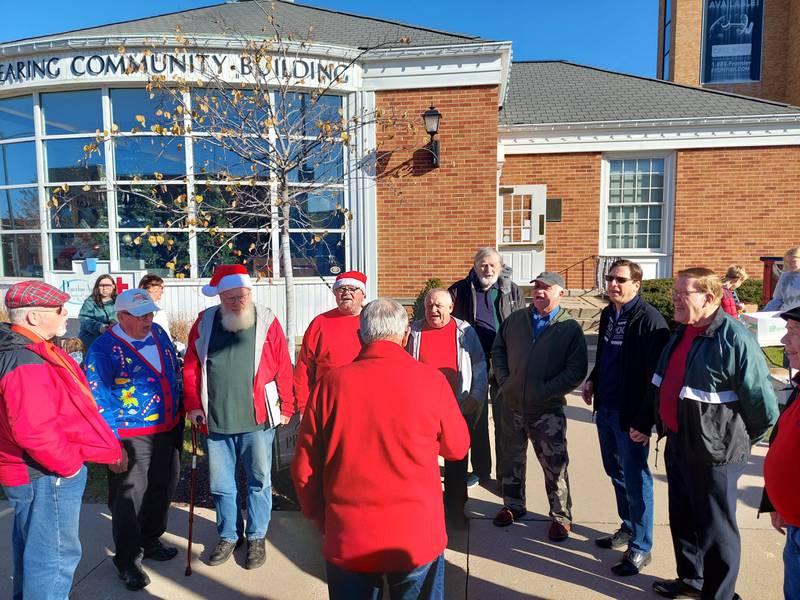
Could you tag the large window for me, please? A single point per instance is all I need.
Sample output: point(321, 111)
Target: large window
point(152, 201)
point(20, 219)
point(635, 204)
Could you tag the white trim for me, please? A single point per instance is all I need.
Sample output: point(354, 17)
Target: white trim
point(673, 134)
point(438, 66)
point(691, 393)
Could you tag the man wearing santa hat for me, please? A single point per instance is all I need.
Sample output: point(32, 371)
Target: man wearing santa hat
point(237, 373)
point(331, 339)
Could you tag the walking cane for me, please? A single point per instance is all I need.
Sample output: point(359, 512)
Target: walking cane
point(191, 496)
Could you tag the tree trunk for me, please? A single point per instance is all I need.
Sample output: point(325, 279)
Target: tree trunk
point(288, 274)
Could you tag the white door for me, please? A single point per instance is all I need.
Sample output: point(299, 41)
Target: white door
point(522, 216)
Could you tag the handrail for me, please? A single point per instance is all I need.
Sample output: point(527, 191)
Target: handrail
point(582, 263)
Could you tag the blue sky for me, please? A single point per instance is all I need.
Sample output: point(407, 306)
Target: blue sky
point(619, 35)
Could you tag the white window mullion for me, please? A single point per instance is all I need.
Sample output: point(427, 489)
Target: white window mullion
point(41, 167)
point(111, 173)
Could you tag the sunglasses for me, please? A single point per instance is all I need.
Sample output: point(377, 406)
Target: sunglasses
point(619, 280)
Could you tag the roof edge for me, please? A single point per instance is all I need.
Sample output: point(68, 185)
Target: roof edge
point(662, 81)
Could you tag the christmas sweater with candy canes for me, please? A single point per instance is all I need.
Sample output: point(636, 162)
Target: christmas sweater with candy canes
point(134, 397)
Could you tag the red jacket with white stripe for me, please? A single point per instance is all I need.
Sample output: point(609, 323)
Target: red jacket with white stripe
point(272, 363)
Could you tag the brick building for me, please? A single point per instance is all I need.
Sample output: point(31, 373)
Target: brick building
point(553, 163)
point(748, 47)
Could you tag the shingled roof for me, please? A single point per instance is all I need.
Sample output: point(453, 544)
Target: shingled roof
point(246, 18)
point(542, 92)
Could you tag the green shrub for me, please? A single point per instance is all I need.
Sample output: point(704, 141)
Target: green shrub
point(419, 303)
point(750, 292)
point(658, 292)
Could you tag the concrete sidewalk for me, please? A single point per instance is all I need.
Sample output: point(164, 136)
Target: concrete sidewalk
point(483, 563)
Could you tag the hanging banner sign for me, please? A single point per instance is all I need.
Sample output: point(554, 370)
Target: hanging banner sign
point(732, 40)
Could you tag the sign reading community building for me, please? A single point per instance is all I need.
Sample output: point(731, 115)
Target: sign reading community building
point(732, 36)
point(190, 66)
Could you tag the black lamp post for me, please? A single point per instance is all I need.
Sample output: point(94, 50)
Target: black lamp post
point(431, 118)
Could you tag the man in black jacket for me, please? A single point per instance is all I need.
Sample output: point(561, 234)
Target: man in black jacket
point(484, 299)
point(632, 335)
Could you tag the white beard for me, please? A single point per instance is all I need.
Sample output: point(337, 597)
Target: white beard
point(234, 322)
point(487, 282)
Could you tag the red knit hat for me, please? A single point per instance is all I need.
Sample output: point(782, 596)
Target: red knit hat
point(355, 278)
point(227, 277)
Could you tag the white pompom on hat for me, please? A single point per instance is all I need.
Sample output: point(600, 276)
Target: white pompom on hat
point(227, 277)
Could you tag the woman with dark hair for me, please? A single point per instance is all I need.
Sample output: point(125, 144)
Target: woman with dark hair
point(98, 312)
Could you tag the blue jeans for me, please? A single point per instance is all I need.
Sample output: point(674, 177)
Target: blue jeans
point(45, 542)
point(423, 583)
point(791, 564)
point(625, 462)
point(255, 451)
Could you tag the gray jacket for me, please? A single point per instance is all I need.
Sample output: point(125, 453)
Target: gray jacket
point(472, 376)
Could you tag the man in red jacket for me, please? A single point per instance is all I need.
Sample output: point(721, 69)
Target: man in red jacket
point(366, 468)
point(237, 379)
point(49, 427)
point(331, 339)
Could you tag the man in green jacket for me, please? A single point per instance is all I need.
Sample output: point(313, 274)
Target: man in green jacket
point(713, 400)
point(539, 356)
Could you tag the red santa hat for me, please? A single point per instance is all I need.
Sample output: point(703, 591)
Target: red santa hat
point(227, 277)
point(354, 278)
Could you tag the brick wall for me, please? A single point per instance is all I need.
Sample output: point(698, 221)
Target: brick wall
point(431, 220)
point(780, 63)
point(734, 205)
point(575, 178)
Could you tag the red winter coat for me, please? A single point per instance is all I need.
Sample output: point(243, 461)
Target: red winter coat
point(366, 468)
point(272, 363)
point(48, 418)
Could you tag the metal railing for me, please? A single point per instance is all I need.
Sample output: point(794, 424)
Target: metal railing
point(588, 273)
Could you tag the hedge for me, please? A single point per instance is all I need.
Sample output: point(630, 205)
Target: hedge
point(658, 292)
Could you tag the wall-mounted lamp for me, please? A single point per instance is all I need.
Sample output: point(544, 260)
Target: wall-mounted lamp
point(431, 118)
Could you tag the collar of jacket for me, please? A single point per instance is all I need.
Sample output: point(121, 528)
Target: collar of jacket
point(382, 349)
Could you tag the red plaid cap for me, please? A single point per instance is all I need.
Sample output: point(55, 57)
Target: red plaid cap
point(34, 293)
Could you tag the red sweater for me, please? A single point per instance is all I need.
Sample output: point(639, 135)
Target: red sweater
point(366, 468)
point(330, 341)
point(782, 466)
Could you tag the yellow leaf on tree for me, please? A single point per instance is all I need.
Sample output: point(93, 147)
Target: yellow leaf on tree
point(140, 119)
point(152, 240)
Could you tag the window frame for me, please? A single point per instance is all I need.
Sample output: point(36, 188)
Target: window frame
point(667, 207)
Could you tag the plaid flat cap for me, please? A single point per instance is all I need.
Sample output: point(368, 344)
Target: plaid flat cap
point(34, 293)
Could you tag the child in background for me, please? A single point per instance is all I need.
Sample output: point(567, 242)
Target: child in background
point(74, 347)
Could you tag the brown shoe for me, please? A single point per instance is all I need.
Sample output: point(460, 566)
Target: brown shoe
point(558, 532)
point(507, 515)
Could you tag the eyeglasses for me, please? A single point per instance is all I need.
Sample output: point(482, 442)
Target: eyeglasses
point(132, 316)
point(59, 310)
point(676, 295)
point(619, 280)
point(346, 289)
point(235, 299)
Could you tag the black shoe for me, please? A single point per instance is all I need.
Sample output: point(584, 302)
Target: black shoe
point(160, 552)
point(133, 576)
point(632, 562)
point(675, 588)
point(256, 554)
point(223, 552)
point(618, 539)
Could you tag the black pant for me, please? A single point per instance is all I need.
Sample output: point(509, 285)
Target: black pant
point(139, 498)
point(702, 520)
point(455, 487)
point(480, 451)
